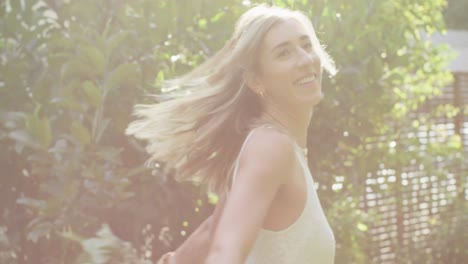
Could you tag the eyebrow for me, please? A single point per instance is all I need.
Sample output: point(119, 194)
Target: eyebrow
point(282, 44)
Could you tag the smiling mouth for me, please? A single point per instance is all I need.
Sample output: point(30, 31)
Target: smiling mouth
point(306, 80)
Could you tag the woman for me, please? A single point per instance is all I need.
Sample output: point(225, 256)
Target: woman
point(238, 125)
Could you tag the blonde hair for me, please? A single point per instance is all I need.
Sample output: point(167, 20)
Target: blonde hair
point(199, 131)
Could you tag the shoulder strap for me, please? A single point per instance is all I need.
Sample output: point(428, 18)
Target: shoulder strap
point(236, 162)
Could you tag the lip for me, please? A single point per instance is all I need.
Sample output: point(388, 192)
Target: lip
point(306, 80)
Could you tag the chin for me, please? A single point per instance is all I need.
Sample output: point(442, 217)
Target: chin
point(319, 98)
point(313, 99)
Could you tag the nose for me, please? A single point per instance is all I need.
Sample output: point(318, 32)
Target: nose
point(307, 58)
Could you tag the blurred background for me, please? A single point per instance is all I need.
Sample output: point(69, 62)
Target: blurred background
point(388, 145)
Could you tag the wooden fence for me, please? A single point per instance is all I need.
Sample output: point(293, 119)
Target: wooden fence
point(413, 204)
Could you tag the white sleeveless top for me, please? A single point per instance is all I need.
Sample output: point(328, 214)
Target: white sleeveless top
point(309, 240)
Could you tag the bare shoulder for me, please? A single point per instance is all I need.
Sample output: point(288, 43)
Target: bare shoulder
point(264, 164)
point(268, 153)
point(266, 139)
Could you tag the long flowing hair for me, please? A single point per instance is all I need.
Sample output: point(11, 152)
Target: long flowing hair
point(200, 130)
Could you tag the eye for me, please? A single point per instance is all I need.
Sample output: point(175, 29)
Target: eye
point(283, 53)
point(307, 46)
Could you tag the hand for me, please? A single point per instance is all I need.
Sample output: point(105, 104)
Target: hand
point(166, 258)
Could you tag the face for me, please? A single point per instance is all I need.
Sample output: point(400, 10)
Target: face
point(289, 69)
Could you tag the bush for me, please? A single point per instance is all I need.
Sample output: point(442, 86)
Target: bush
point(71, 72)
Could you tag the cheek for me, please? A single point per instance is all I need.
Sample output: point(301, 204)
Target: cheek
point(276, 75)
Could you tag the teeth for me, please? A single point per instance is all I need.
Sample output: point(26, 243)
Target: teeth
point(307, 79)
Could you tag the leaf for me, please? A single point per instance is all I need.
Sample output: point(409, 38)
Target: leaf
point(101, 127)
point(213, 198)
point(202, 23)
point(68, 103)
point(93, 93)
point(95, 57)
point(217, 17)
point(31, 203)
point(110, 154)
point(159, 78)
point(99, 247)
point(77, 69)
point(70, 235)
point(40, 129)
point(39, 230)
point(135, 171)
point(81, 133)
point(124, 74)
point(115, 40)
point(24, 138)
point(454, 142)
point(362, 227)
point(12, 120)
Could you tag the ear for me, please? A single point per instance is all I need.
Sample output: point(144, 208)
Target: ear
point(253, 82)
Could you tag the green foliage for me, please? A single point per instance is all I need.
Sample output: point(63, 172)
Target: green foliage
point(68, 164)
point(350, 226)
point(71, 71)
point(105, 247)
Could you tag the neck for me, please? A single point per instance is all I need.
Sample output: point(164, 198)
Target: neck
point(295, 121)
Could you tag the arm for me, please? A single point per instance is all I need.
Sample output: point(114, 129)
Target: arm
point(195, 247)
point(265, 163)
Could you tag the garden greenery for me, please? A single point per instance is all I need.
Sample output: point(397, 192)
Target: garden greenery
point(73, 187)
